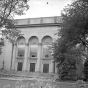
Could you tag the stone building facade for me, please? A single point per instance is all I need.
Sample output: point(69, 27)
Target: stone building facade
point(32, 51)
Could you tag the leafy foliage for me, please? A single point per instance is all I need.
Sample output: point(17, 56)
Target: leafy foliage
point(86, 70)
point(69, 70)
point(9, 8)
point(73, 35)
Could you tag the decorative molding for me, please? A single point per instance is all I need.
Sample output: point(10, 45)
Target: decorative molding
point(28, 21)
point(32, 61)
point(33, 58)
point(41, 21)
point(46, 58)
point(27, 44)
point(38, 25)
point(21, 58)
point(46, 61)
point(40, 44)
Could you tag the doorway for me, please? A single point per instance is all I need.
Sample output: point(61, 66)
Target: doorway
point(32, 67)
point(45, 68)
point(20, 65)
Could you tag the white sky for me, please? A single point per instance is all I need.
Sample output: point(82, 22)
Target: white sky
point(44, 8)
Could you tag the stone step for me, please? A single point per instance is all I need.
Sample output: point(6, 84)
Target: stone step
point(27, 74)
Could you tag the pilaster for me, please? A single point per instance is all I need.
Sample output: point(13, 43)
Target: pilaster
point(14, 56)
point(52, 66)
point(25, 57)
point(38, 66)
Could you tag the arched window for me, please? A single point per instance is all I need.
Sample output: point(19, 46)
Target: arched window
point(33, 42)
point(47, 43)
point(21, 46)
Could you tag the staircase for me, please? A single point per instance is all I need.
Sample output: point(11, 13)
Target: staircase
point(28, 75)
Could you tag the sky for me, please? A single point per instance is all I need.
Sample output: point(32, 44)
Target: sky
point(44, 8)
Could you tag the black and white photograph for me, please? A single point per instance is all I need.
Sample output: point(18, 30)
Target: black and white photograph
point(43, 43)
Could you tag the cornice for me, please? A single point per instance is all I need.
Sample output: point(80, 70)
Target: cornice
point(38, 25)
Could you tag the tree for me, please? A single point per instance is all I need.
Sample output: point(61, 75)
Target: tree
point(9, 8)
point(73, 34)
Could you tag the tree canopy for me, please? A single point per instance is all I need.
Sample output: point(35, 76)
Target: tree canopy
point(9, 8)
point(74, 27)
point(73, 35)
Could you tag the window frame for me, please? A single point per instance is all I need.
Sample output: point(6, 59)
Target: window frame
point(46, 46)
point(20, 46)
point(36, 51)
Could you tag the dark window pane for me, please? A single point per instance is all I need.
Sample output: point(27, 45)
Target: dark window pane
point(45, 68)
point(19, 68)
point(32, 67)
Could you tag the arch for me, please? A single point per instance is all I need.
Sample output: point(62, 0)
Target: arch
point(21, 40)
point(33, 40)
point(46, 46)
point(21, 46)
point(47, 40)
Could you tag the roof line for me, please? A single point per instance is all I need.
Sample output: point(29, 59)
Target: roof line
point(37, 17)
point(37, 25)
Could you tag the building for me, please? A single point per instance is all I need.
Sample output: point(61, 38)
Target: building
point(32, 50)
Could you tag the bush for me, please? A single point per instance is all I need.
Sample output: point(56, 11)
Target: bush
point(86, 71)
point(68, 70)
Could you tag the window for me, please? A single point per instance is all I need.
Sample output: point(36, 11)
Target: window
point(21, 51)
point(46, 52)
point(45, 68)
point(32, 67)
point(33, 51)
point(46, 42)
point(19, 67)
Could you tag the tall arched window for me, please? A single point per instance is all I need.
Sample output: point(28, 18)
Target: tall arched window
point(33, 42)
point(46, 43)
point(20, 47)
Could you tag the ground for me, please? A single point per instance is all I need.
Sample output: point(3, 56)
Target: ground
point(9, 79)
point(25, 83)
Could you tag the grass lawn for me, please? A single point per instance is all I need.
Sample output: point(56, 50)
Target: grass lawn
point(43, 83)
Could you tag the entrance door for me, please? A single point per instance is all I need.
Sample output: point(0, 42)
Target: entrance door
point(19, 67)
point(45, 68)
point(32, 67)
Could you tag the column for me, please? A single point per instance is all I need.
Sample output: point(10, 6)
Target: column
point(52, 66)
point(14, 56)
point(38, 67)
point(25, 57)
